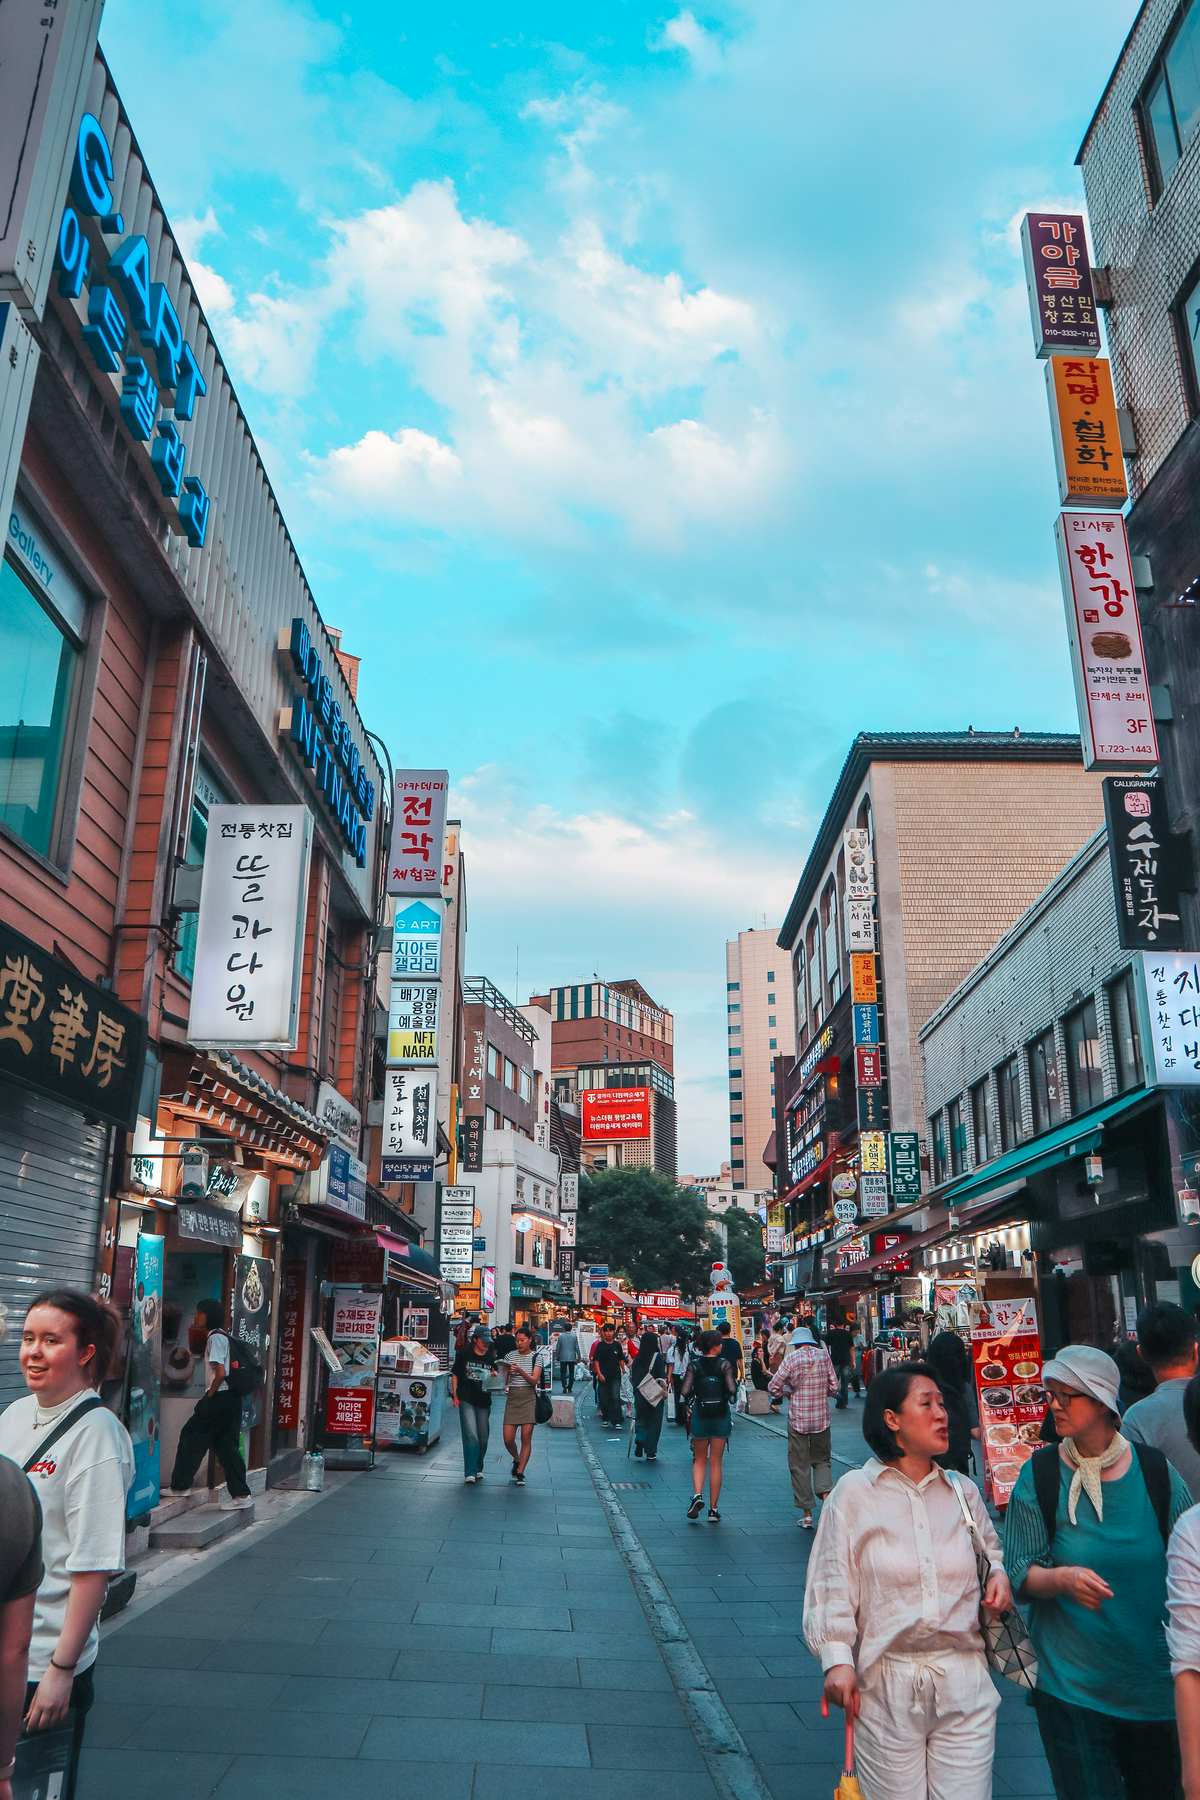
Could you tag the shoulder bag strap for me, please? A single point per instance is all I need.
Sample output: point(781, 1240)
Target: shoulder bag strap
point(1156, 1475)
point(64, 1425)
point(1046, 1463)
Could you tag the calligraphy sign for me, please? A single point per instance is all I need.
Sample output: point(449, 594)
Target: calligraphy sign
point(409, 1119)
point(1150, 865)
point(418, 831)
point(65, 1036)
point(250, 935)
point(1058, 275)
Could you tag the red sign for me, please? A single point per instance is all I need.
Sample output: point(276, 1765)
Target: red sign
point(358, 1265)
point(1006, 1351)
point(868, 1067)
point(610, 1113)
point(649, 1301)
point(348, 1411)
point(291, 1343)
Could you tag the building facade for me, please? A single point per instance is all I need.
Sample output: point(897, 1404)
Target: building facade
point(608, 1036)
point(963, 830)
point(760, 1007)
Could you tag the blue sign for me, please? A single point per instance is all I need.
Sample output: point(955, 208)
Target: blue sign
point(346, 1183)
point(327, 745)
point(866, 1024)
point(406, 1168)
point(416, 941)
point(168, 365)
point(145, 1375)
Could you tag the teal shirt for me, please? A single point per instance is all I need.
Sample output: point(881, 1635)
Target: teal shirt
point(1114, 1660)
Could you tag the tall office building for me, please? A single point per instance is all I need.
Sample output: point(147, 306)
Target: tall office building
point(609, 1035)
point(760, 1009)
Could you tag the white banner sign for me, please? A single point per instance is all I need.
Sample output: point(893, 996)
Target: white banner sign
point(775, 1237)
point(566, 1235)
point(418, 832)
point(860, 925)
point(409, 1113)
point(250, 935)
point(342, 1121)
point(875, 1201)
point(417, 941)
point(413, 1010)
point(1170, 1007)
point(1112, 687)
point(568, 1194)
point(458, 1205)
point(860, 864)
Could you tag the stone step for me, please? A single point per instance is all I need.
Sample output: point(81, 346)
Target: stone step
point(170, 1507)
point(197, 1529)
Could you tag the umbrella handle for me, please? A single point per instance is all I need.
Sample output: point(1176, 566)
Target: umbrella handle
point(849, 1755)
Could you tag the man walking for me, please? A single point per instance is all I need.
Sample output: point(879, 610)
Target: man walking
point(609, 1359)
point(1166, 1340)
point(807, 1378)
point(566, 1355)
point(216, 1424)
point(731, 1349)
point(840, 1344)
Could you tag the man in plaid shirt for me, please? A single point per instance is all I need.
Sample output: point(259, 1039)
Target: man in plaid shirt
point(808, 1378)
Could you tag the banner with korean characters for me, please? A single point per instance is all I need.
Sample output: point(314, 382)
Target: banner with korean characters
point(860, 864)
point(145, 1375)
point(873, 1193)
point(418, 832)
point(904, 1166)
point(350, 1397)
point(417, 941)
point(1150, 864)
point(1006, 1358)
point(1169, 1004)
point(456, 1234)
point(864, 987)
point(408, 1145)
point(872, 1153)
point(413, 1010)
point(291, 1347)
point(1086, 432)
point(1058, 276)
point(860, 926)
point(250, 933)
point(1104, 632)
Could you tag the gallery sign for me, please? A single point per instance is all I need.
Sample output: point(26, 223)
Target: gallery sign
point(339, 1118)
point(1085, 431)
point(1112, 687)
point(875, 1202)
point(1150, 865)
point(864, 987)
point(418, 832)
point(860, 926)
point(1169, 1000)
point(1058, 277)
point(417, 941)
point(868, 1066)
point(250, 933)
point(866, 1024)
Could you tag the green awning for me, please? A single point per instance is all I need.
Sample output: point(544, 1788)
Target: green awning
point(1080, 1138)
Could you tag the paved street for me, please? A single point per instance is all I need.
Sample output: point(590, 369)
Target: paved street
point(410, 1635)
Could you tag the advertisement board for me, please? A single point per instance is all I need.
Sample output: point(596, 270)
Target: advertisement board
point(350, 1396)
point(875, 1201)
point(860, 926)
point(1149, 863)
point(860, 864)
point(291, 1347)
point(610, 1113)
point(1058, 278)
point(1085, 431)
point(413, 1009)
point(409, 1134)
point(145, 1375)
point(1104, 631)
point(417, 941)
point(418, 832)
point(250, 1320)
point(864, 987)
point(1006, 1359)
point(868, 1066)
point(1168, 984)
point(872, 1152)
point(904, 1166)
point(250, 932)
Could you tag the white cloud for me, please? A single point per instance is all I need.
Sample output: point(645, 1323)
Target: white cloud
point(216, 295)
point(703, 48)
point(405, 472)
point(273, 343)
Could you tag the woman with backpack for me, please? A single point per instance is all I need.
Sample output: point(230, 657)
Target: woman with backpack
point(711, 1385)
point(79, 1460)
point(216, 1423)
point(648, 1365)
point(1085, 1545)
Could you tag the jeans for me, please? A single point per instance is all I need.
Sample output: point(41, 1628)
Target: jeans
point(846, 1374)
point(82, 1696)
point(1093, 1756)
point(215, 1425)
point(566, 1374)
point(610, 1401)
point(475, 1423)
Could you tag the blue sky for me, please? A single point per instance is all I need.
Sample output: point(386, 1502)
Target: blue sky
point(651, 397)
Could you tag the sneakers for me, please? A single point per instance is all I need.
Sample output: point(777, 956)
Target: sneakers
point(238, 1503)
point(519, 1479)
point(805, 1522)
point(515, 1469)
point(696, 1507)
point(714, 1517)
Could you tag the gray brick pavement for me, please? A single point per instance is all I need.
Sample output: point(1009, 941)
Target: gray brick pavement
point(411, 1635)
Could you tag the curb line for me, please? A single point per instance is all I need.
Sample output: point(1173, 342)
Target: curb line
point(721, 1744)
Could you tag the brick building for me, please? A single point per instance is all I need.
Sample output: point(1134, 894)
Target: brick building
point(760, 1007)
point(614, 1035)
point(965, 830)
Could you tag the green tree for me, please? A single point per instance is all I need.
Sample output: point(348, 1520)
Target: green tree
point(745, 1256)
point(647, 1228)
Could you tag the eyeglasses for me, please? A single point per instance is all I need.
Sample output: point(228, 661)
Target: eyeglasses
point(1065, 1396)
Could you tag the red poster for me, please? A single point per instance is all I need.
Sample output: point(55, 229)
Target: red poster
point(610, 1113)
point(291, 1343)
point(868, 1068)
point(1006, 1353)
point(348, 1411)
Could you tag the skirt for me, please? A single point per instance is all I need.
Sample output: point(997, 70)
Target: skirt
point(520, 1404)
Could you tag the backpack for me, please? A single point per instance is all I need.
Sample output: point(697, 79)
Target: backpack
point(1156, 1473)
point(708, 1385)
point(245, 1371)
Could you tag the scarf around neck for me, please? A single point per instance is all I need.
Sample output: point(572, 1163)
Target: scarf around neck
point(1087, 1473)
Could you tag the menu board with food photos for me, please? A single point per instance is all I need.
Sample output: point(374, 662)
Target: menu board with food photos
point(1006, 1355)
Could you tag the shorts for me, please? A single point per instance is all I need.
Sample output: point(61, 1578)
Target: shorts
point(710, 1428)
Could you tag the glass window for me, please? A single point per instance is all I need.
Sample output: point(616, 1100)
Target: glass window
point(979, 1122)
point(1127, 1050)
point(526, 1085)
point(493, 1062)
point(1170, 105)
point(206, 793)
point(1183, 74)
point(770, 974)
point(510, 1074)
point(770, 1018)
point(937, 1129)
point(737, 1119)
point(1008, 1102)
point(1159, 117)
point(958, 1136)
point(772, 1044)
point(735, 1006)
point(1084, 1081)
point(737, 1140)
point(732, 987)
point(39, 663)
point(1044, 1089)
point(814, 972)
point(770, 999)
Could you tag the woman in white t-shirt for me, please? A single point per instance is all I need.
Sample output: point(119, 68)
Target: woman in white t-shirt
point(522, 1370)
point(81, 1480)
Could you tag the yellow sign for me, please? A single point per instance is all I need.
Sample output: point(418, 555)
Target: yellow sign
point(872, 1149)
point(775, 1214)
point(864, 988)
point(411, 1047)
point(1086, 432)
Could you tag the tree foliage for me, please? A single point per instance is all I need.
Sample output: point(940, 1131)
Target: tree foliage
point(647, 1228)
point(745, 1255)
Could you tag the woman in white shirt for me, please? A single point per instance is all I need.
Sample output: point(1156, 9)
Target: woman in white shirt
point(892, 1603)
point(81, 1480)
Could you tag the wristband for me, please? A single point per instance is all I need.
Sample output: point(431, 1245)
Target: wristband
point(64, 1668)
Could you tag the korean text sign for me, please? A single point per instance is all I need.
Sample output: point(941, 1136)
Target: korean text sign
point(1112, 688)
point(1170, 1007)
point(1058, 276)
point(610, 1113)
point(1149, 863)
point(350, 1398)
point(65, 1036)
point(413, 1008)
point(416, 942)
point(409, 1121)
point(1086, 434)
point(418, 831)
point(250, 936)
point(1006, 1355)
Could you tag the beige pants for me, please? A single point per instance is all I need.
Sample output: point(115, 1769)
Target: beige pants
point(809, 1466)
point(927, 1729)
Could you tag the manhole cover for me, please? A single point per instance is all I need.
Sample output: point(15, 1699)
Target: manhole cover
point(632, 1484)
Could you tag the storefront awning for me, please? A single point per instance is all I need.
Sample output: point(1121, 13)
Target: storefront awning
point(1080, 1138)
point(408, 1262)
point(611, 1296)
point(218, 1091)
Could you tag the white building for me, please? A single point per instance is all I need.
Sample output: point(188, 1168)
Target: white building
point(517, 1195)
